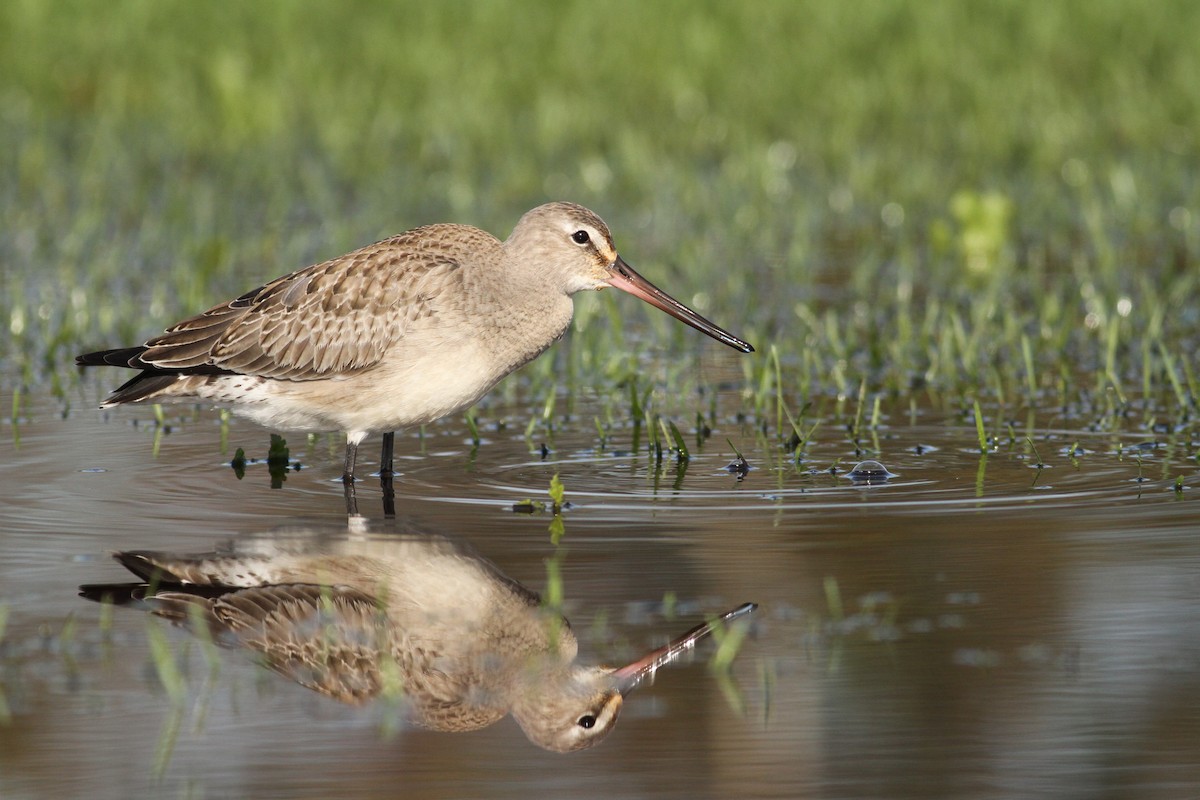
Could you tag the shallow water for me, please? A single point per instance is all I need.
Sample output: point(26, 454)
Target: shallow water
point(954, 631)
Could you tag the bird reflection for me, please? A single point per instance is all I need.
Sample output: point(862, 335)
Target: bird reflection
point(348, 615)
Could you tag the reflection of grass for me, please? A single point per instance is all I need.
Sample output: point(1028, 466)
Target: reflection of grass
point(165, 666)
point(729, 640)
point(904, 209)
point(171, 665)
point(553, 596)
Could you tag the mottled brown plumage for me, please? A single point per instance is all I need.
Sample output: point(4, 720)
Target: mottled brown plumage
point(395, 334)
point(341, 614)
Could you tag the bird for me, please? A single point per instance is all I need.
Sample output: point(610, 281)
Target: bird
point(396, 334)
point(346, 615)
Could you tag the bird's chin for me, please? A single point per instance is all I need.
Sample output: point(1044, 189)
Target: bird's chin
point(587, 284)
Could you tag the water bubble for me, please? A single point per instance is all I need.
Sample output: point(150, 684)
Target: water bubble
point(869, 472)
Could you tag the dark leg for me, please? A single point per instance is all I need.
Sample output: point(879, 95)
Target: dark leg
point(386, 473)
point(385, 455)
point(389, 496)
point(351, 499)
point(351, 457)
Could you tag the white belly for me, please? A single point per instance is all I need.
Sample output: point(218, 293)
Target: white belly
point(403, 391)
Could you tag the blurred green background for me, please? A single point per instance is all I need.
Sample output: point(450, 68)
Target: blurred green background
point(976, 196)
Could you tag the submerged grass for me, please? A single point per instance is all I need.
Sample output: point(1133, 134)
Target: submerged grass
point(930, 204)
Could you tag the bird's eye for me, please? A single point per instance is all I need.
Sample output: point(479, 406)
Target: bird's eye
point(587, 720)
point(581, 237)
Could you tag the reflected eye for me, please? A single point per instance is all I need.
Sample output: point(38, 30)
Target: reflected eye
point(581, 237)
point(587, 720)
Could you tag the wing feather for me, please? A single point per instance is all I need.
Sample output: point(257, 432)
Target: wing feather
point(335, 317)
point(327, 638)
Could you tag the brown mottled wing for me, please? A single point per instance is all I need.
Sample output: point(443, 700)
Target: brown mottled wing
point(330, 639)
point(335, 317)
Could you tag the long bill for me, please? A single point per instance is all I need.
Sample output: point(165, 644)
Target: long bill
point(626, 279)
point(629, 677)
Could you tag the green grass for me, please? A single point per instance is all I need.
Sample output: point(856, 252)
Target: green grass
point(945, 202)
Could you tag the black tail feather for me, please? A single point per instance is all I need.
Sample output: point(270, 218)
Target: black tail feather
point(119, 594)
point(142, 386)
point(121, 357)
point(150, 381)
point(144, 564)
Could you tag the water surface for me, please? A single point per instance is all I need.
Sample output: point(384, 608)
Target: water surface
point(956, 630)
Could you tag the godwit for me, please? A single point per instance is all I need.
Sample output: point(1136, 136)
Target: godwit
point(468, 643)
point(395, 334)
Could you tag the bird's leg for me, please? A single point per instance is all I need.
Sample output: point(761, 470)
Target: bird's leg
point(385, 455)
point(351, 457)
point(389, 496)
point(386, 474)
point(351, 499)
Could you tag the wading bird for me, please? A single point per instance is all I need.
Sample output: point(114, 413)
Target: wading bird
point(398, 333)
